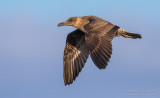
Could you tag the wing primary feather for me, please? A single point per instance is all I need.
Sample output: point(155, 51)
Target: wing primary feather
point(69, 69)
point(106, 50)
point(97, 60)
point(77, 63)
point(102, 50)
point(76, 68)
point(102, 60)
point(72, 66)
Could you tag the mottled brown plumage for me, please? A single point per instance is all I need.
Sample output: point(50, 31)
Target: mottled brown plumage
point(75, 55)
point(93, 37)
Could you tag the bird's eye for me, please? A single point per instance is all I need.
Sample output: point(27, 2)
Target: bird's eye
point(70, 20)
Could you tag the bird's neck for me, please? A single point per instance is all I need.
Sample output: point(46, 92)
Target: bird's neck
point(80, 23)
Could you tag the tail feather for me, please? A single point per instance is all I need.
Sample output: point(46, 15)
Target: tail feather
point(131, 35)
point(122, 32)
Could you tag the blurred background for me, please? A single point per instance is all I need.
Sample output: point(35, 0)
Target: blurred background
point(31, 50)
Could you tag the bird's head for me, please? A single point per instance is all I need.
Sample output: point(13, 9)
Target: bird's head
point(69, 22)
point(77, 22)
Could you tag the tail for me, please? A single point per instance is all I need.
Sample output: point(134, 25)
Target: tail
point(124, 33)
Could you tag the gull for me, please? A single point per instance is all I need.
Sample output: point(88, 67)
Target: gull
point(93, 37)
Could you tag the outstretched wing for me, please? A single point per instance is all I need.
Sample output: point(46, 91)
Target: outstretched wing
point(99, 34)
point(75, 55)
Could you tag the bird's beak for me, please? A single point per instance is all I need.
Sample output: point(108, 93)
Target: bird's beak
point(61, 24)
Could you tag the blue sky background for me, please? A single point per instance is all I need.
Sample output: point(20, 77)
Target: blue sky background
point(31, 50)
